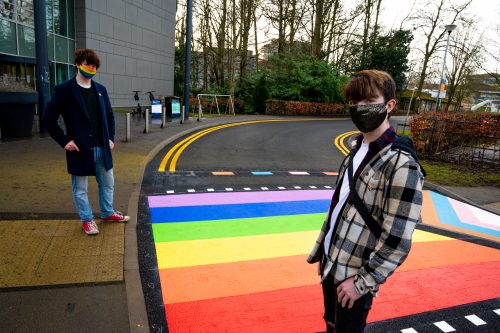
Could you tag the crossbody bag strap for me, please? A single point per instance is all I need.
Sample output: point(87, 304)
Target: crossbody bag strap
point(374, 227)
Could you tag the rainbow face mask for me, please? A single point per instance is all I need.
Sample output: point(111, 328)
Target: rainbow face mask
point(87, 71)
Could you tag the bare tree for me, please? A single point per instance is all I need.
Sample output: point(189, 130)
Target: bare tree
point(429, 21)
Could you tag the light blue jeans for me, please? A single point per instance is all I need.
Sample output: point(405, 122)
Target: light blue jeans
point(105, 182)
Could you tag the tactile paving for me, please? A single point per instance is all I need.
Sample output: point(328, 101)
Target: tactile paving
point(54, 252)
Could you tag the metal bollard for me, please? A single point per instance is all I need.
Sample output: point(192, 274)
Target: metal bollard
point(163, 114)
point(127, 127)
point(146, 117)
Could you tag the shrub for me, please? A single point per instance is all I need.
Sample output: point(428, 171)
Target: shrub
point(296, 108)
point(456, 136)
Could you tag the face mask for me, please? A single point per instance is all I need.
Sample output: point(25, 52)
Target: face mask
point(87, 72)
point(368, 117)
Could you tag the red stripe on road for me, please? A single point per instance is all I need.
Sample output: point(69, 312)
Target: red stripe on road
point(300, 309)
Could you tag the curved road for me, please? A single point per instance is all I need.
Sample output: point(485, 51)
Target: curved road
point(233, 243)
point(275, 146)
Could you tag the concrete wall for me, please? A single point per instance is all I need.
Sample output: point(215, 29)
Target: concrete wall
point(135, 42)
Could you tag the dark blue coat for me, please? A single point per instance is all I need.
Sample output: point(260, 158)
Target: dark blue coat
point(68, 102)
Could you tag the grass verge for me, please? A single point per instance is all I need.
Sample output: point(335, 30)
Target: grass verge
point(447, 174)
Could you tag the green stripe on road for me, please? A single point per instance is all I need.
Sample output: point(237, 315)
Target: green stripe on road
point(170, 232)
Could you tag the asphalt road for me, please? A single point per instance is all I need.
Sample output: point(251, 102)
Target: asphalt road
point(277, 148)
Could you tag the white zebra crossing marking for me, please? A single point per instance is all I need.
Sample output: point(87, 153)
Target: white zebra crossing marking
point(475, 320)
point(444, 326)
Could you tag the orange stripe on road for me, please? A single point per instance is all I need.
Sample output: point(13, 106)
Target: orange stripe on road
point(210, 281)
point(223, 173)
point(331, 173)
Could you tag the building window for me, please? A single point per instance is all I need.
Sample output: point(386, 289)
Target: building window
point(17, 34)
point(17, 22)
point(17, 77)
point(60, 39)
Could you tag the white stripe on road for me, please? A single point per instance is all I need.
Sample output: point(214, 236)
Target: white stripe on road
point(475, 320)
point(409, 330)
point(444, 326)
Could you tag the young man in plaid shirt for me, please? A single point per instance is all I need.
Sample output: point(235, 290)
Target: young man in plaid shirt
point(374, 209)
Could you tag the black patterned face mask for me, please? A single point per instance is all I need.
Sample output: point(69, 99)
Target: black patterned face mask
point(368, 117)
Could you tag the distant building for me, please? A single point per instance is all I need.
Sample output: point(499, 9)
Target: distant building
point(134, 39)
point(271, 48)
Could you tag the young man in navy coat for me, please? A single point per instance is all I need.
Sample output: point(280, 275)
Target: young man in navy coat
point(88, 138)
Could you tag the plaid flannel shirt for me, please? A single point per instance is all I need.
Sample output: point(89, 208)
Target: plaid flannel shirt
point(390, 184)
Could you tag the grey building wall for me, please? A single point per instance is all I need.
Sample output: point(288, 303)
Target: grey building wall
point(135, 42)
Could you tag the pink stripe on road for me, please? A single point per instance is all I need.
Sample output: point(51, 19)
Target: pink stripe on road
point(469, 215)
point(206, 199)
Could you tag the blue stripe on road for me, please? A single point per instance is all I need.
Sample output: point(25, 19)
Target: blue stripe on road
point(262, 173)
point(225, 212)
point(447, 215)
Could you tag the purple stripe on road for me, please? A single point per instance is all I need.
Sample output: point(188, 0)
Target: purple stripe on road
point(205, 199)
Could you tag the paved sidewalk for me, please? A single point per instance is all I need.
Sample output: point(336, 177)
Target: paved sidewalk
point(50, 293)
point(49, 269)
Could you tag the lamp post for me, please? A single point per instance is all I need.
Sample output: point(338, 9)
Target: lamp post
point(449, 28)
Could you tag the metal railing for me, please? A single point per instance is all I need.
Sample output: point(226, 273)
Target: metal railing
point(459, 142)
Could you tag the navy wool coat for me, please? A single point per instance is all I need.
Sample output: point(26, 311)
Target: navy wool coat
point(68, 102)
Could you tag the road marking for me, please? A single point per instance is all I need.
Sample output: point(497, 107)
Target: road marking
point(191, 190)
point(299, 173)
point(339, 141)
point(297, 187)
point(264, 188)
point(229, 189)
point(313, 187)
point(262, 173)
point(497, 311)
point(210, 190)
point(331, 173)
point(281, 188)
point(475, 320)
point(409, 330)
point(247, 188)
point(177, 150)
point(170, 192)
point(444, 326)
point(327, 186)
point(222, 173)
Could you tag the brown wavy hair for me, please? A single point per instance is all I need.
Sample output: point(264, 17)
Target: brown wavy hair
point(88, 55)
point(369, 83)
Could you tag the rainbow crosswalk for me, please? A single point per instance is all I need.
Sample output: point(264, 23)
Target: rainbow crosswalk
point(236, 262)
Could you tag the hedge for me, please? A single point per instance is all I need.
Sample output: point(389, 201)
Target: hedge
point(297, 108)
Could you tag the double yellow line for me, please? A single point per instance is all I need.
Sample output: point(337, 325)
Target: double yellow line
point(176, 151)
point(339, 142)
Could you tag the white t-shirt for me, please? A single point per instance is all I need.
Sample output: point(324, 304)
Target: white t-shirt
point(344, 192)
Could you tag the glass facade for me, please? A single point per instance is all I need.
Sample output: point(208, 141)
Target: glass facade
point(17, 36)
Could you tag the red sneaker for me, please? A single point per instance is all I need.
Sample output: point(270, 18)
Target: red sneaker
point(116, 217)
point(90, 228)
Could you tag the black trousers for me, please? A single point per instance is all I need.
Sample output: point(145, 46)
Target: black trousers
point(346, 320)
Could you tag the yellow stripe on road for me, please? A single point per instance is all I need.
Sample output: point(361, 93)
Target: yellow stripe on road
point(233, 249)
point(177, 150)
point(339, 141)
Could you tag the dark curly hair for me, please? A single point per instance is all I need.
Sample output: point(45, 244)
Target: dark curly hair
point(87, 55)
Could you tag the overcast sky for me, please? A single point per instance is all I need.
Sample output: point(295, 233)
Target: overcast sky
point(394, 11)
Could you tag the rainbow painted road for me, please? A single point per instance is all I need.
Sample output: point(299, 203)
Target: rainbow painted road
point(235, 262)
